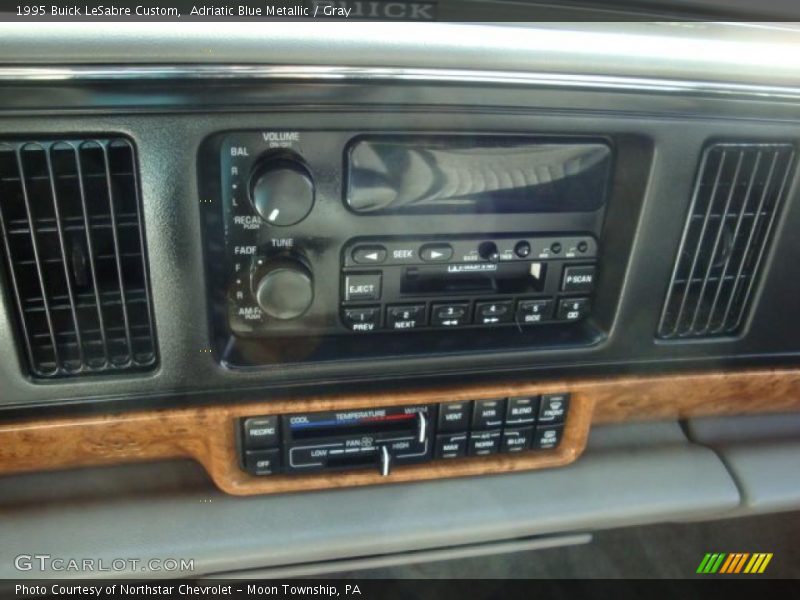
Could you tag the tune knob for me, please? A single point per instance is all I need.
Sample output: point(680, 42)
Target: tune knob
point(282, 191)
point(284, 289)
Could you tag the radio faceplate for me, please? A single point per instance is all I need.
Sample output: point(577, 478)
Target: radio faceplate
point(401, 285)
point(307, 269)
point(302, 261)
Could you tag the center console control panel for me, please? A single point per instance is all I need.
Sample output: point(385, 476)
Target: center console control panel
point(335, 233)
point(380, 438)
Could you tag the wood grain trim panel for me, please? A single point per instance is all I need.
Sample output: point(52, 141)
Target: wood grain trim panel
point(208, 434)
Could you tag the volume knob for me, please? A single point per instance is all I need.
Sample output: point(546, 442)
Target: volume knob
point(282, 192)
point(285, 290)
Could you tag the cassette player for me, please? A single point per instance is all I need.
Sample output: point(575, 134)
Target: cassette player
point(407, 284)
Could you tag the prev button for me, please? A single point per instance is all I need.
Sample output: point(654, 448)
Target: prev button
point(362, 318)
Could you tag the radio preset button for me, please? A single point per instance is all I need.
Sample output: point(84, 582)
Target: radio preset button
point(436, 252)
point(547, 437)
point(522, 411)
point(490, 313)
point(362, 318)
point(454, 416)
point(578, 279)
point(365, 255)
point(260, 432)
point(488, 414)
point(553, 408)
point(451, 445)
point(450, 315)
point(573, 309)
point(405, 316)
point(363, 286)
point(262, 462)
point(534, 311)
point(482, 443)
point(517, 440)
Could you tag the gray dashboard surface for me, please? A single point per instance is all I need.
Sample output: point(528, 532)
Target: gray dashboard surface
point(741, 52)
point(629, 475)
point(761, 452)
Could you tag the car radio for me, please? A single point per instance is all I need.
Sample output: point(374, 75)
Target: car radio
point(337, 233)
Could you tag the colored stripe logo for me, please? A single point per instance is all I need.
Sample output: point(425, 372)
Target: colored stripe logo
point(734, 563)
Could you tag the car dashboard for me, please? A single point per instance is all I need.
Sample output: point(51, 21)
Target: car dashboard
point(509, 284)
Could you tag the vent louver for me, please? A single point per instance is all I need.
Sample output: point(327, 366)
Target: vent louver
point(73, 239)
point(736, 201)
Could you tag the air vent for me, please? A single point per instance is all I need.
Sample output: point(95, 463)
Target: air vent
point(735, 203)
point(74, 244)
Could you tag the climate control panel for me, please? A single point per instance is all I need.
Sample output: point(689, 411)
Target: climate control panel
point(382, 438)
